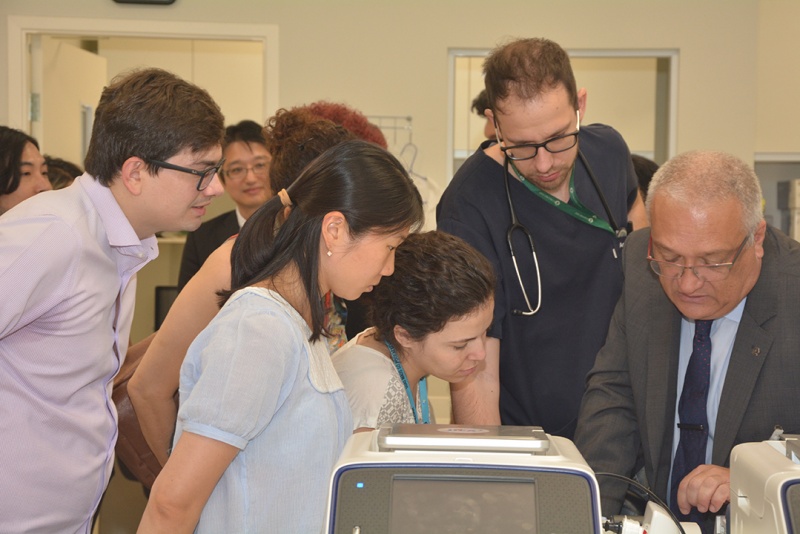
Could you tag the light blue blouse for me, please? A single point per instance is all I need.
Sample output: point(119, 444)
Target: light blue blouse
point(251, 379)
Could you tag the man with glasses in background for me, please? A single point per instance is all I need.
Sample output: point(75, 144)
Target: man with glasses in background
point(702, 351)
point(245, 177)
point(68, 264)
point(549, 204)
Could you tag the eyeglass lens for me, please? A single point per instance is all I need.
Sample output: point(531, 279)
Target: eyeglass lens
point(238, 172)
point(709, 273)
point(554, 146)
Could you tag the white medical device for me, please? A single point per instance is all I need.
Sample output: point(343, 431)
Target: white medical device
point(416, 479)
point(765, 487)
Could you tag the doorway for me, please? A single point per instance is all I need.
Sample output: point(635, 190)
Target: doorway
point(22, 31)
point(68, 75)
point(634, 91)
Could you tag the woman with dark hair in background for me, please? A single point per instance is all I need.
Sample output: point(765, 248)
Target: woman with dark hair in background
point(263, 415)
point(430, 318)
point(23, 171)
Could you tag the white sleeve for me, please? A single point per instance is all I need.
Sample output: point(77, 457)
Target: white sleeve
point(365, 374)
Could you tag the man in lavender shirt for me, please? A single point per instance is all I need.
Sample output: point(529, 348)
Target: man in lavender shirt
point(68, 263)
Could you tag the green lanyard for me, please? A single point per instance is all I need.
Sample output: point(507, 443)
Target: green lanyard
point(573, 208)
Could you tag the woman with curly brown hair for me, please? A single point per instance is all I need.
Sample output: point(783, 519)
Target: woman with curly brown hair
point(430, 318)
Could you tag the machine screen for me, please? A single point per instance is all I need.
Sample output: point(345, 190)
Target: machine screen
point(422, 505)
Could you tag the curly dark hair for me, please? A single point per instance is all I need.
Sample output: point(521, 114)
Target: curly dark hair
point(437, 278)
point(294, 137)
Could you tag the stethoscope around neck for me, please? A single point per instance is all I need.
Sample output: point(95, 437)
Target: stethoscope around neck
point(620, 232)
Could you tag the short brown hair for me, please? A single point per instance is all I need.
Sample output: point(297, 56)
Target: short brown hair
point(528, 68)
point(151, 114)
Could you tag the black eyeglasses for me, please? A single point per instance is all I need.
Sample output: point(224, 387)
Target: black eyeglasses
point(205, 175)
point(554, 145)
point(712, 272)
point(260, 170)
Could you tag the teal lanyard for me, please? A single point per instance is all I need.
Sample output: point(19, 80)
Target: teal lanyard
point(423, 389)
point(573, 208)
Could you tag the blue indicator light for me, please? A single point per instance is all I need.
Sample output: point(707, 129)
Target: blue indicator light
point(359, 485)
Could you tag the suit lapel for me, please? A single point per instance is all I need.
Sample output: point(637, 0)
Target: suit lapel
point(662, 371)
point(750, 348)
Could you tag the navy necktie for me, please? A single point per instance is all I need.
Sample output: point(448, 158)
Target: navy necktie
point(693, 419)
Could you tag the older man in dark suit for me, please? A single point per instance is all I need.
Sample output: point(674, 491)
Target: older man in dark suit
point(702, 351)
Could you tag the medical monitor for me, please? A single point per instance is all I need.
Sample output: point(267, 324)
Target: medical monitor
point(415, 479)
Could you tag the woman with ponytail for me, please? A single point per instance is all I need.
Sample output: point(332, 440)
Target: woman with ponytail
point(263, 415)
point(294, 138)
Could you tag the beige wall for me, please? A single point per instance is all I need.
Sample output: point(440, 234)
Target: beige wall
point(231, 71)
point(390, 58)
point(777, 77)
point(621, 92)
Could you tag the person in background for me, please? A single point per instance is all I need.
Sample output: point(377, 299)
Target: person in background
point(479, 105)
point(562, 193)
point(294, 138)
point(245, 177)
point(61, 172)
point(23, 170)
point(351, 119)
point(645, 169)
point(263, 416)
point(68, 283)
point(430, 318)
point(701, 353)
